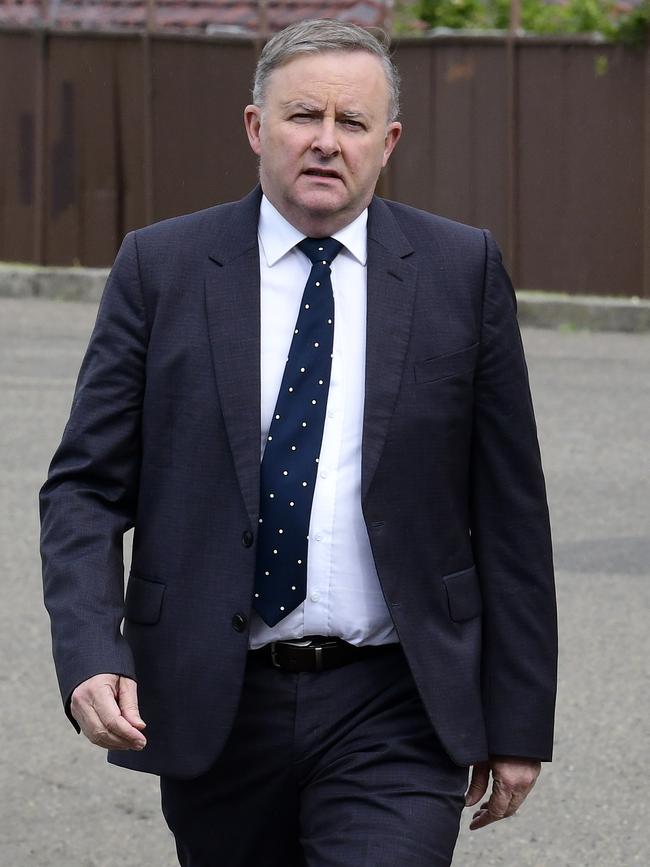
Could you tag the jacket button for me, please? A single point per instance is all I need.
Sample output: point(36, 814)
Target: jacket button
point(239, 622)
point(247, 538)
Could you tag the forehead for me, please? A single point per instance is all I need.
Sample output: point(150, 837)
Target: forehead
point(347, 76)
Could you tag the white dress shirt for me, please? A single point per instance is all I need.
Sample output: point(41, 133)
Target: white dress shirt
point(344, 597)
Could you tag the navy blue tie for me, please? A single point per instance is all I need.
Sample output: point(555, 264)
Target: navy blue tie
point(288, 472)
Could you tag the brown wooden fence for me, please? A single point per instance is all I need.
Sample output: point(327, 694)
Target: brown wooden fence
point(546, 142)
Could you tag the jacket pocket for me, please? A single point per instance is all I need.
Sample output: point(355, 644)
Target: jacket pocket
point(143, 602)
point(463, 594)
point(443, 366)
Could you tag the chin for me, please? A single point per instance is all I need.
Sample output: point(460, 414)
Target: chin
point(321, 203)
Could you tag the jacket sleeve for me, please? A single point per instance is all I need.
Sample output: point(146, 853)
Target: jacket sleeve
point(511, 535)
point(89, 499)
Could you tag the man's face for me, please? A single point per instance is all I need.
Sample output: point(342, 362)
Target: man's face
point(323, 137)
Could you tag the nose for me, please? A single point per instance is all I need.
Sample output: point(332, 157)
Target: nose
point(325, 141)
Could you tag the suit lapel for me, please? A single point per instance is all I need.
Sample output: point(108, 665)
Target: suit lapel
point(232, 294)
point(391, 292)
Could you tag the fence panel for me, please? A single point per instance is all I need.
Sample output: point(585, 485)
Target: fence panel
point(18, 145)
point(80, 177)
point(581, 167)
point(469, 146)
point(201, 154)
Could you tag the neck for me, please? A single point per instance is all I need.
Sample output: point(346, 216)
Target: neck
point(314, 225)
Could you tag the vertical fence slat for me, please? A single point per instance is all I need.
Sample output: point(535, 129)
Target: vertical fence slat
point(512, 150)
point(40, 137)
point(147, 128)
point(411, 168)
point(645, 279)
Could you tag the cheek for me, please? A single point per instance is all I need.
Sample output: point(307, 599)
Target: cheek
point(357, 161)
point(287, 150)
point(275, 155)
point(364, 166)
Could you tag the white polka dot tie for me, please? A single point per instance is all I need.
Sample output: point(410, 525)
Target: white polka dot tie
point(288, 473)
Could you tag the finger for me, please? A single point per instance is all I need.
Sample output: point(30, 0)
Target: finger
point(516, 801)
point(97, 734)
point(478, 784)
point(127, 697)
point(495, 808)
point(482, 818)
point(488, 814)
point(108, 711)
point(519, 795)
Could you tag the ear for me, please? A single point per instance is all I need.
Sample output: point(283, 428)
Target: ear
point(253, 123)
point(392, 137)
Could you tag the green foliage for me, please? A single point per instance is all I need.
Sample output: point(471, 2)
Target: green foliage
point(615, 19)
point(634, 27)
point(450, 13)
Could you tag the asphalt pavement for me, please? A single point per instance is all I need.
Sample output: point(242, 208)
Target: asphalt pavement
point(61, 804)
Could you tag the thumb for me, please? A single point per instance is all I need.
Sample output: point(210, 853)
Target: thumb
point(479, 783)
point(127, 698)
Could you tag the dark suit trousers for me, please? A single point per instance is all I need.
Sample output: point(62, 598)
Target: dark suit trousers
point(339, 768)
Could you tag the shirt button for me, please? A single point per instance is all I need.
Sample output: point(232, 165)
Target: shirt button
point(323, 475)
point(239, 622)
point(314, 595)
point(330, 413)
point(247, 539)
point(318, 537)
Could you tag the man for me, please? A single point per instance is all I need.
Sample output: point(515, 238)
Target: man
point(323, 642)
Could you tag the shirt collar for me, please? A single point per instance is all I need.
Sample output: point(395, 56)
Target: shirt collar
point(354, 237)
point(278, 236)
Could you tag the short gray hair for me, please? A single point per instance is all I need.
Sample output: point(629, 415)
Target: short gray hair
point(311, 37)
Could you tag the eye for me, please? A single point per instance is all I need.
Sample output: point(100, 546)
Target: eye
point(352, 124)
point(301, 117)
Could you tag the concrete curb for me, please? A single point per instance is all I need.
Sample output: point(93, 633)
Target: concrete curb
point(536, 309)
point(583, 312)
point(60, 284)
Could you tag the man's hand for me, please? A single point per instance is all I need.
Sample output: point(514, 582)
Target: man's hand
point(106, 708)
point(512, 780)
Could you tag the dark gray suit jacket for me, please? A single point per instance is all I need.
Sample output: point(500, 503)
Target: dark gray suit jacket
point(164, 435)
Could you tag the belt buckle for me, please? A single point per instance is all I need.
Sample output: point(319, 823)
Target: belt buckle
point(318, 649)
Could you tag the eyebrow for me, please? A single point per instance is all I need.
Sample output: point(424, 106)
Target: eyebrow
point(310, 108)
point(305, 106)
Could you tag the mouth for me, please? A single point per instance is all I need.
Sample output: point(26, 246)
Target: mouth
point(323, 173)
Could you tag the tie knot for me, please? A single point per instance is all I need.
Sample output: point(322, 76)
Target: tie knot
point(320, 250)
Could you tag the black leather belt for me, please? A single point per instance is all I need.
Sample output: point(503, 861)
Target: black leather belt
point(319, 654)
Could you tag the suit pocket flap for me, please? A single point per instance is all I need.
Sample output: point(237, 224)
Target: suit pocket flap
point(463, 594)
point(143, 601)
point(443, 366)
